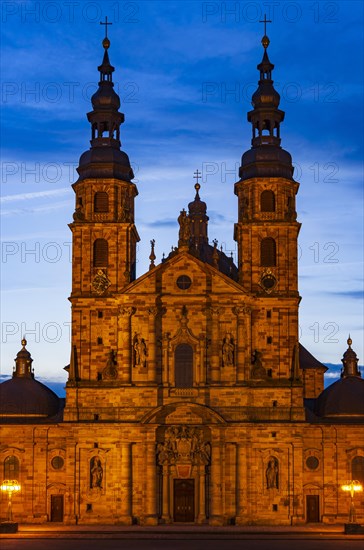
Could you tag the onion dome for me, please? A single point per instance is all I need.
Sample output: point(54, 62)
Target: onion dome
point(105, 159)
point(344, 398)
point(23, 396)
point(266, 158)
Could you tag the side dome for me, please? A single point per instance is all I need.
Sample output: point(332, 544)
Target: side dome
point(27, 397)
point(22, 396)
point(343, 398)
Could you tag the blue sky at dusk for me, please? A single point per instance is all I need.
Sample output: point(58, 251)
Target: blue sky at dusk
point(185, 73)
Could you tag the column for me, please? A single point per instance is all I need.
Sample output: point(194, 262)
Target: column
point(152, 367)
point(215, 342)
point(126, 484)
point(151, 484)
point(216, 486)
point(165, 361)
point(240, 483)
point(240, 343)
point(201, 495)
point(124, 357)
point(166, 495)
point(249, 343)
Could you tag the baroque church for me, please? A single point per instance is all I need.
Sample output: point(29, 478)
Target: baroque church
point(189, 397)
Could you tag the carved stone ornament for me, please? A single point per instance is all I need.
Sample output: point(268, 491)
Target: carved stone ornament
point(110, 372)
point(100, 283)
point(268, 281)
point(183, 444)
point(258, 371)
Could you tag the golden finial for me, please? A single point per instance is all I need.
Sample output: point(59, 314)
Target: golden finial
point(349, 341)
point(265, 39)
point(152, 256)
point(23, 342)
point(106, 43)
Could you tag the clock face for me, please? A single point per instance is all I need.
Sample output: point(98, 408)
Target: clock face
point(268, 282)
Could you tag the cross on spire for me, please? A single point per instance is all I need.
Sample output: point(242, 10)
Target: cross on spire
point(197, 175)
point(106, 23)
point(265, 21)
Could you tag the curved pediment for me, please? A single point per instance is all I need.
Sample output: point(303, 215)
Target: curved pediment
point(183, 413)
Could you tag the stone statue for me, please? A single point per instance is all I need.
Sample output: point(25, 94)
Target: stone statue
point(140, 352)
point(271, 473)
point(184, 228)
point(96, 473)
point(228, 349)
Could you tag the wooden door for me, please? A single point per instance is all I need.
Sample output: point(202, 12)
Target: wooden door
point(184, 500)
point(312, 508)
point(57, 508)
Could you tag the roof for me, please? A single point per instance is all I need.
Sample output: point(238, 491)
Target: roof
point(308, 361)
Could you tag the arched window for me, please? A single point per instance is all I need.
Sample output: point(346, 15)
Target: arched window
point(101, 201)
point(11, 467)
point(183, 366)
point(357, 469)
point(267, 201)
point(101, 253)
point(268, 252)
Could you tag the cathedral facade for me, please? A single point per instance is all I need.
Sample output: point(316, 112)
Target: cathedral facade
point(189, 397)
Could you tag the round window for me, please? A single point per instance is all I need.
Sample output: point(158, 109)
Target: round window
point(312, 463)
point(57, 462)
point(184, 282)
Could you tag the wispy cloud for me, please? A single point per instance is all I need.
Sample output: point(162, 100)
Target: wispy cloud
point(50, 193)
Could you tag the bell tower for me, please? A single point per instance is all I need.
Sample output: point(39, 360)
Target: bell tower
point(267, 230)
point(104, 235)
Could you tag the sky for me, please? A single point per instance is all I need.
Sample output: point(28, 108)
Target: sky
point(185, 73)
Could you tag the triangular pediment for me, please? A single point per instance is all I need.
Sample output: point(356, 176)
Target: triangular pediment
point(204, 278)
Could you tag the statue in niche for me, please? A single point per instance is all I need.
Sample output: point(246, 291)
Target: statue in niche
point(228, 349)
point(258, 371)
point(110, 372)
point(140, 352)
point(125, 208)
point(245, 206)
point(78, 214)
point(271, 473)
point(96, 473)
point(184, 228)
point(291, 214)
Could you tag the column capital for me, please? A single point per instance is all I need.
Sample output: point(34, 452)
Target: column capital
point(127, 311)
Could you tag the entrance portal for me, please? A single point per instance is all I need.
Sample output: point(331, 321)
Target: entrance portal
point(184, 500)
point(57, 508)
point(312, 509)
